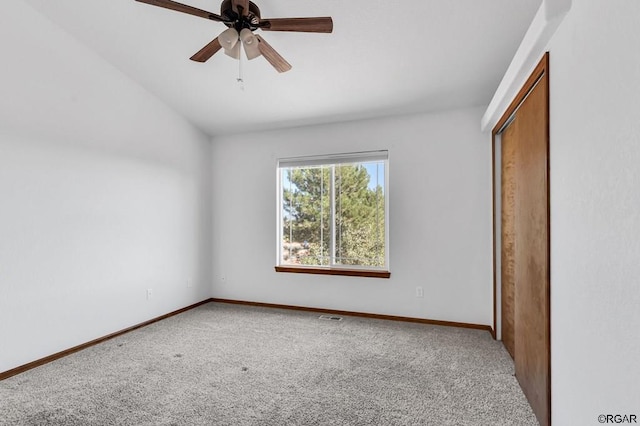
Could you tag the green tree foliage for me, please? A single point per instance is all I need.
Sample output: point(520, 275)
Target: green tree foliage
point(359, 216)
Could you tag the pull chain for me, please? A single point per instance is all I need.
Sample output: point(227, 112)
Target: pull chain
point(240, 78)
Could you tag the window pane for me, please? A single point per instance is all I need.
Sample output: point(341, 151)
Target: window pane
point(306, 215)
point(359, 214)
point(333, 210)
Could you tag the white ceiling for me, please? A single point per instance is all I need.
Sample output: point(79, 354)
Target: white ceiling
point(383, 57)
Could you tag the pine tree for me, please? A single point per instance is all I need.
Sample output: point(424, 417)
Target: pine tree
point(359, 216)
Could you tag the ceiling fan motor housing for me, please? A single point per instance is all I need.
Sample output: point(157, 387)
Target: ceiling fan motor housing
point(237, 21)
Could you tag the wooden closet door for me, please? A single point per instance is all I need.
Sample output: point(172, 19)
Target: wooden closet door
point(508, 193)
point(532, 307)
point(525, 238)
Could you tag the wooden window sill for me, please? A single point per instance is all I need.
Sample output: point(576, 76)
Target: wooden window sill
point(370, 273)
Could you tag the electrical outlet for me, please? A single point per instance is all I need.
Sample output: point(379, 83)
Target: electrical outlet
point(189, 284)
point(223, 278)
point(419, 292)
point(149, 293)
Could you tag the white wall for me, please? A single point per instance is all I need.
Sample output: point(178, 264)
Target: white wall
point(440, 213)
point(104, 192)
point(595, 212)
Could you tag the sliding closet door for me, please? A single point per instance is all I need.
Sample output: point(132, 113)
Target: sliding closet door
point(525, 240)
point(508, 192)
point(532, 343)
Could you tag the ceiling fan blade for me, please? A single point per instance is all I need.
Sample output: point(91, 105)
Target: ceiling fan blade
point(241, 4)
point(306, 25)
point(168, 4)
point(274, 58)
point(207, 52)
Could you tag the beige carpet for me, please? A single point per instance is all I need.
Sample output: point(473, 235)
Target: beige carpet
point(233, 365)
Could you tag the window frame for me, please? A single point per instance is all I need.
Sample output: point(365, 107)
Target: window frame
point(333, 160)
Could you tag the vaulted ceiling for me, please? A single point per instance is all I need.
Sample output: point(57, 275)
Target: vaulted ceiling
point(383, 58)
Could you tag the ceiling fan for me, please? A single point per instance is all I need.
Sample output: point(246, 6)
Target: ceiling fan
point(242, 17)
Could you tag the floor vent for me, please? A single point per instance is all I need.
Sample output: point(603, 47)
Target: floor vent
point(330, 318)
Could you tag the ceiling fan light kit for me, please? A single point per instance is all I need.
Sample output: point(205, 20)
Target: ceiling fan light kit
point(249, 43)
point(242, 17)
point(228, 38)
point(234, 52)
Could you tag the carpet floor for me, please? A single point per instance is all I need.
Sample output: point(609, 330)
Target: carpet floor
point(222, 364)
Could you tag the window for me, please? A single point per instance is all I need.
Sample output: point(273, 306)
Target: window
point(332, 213)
